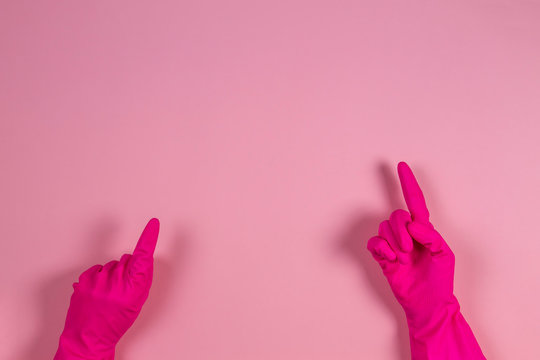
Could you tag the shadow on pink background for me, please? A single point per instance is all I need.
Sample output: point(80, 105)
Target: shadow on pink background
point(264, 136)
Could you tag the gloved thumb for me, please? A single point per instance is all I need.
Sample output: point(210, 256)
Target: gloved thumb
point(426, 235)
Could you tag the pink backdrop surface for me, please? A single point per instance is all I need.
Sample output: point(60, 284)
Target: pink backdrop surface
point(265, 135)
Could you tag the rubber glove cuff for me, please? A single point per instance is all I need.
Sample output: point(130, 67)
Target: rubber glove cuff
point(75, 347)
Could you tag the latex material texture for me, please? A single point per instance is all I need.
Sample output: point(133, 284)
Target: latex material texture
point(419, 267)
point(106, 301)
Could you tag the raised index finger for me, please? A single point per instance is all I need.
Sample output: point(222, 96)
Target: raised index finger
point(413, 194)
point(147, 242)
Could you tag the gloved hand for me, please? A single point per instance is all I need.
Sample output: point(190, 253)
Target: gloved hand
point(419, 267)
point(107, 300)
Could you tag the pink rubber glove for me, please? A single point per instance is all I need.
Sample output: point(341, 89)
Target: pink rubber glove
point(419, 267)
point(107, 300)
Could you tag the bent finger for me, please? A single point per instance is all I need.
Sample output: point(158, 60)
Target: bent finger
point(380, 249)
point(399, 220)
point(385, 231)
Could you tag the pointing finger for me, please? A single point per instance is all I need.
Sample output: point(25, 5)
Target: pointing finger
point(413, 194)
point(147, 242)
point(142, 261)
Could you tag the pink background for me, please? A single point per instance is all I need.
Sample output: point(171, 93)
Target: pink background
point(265, 135)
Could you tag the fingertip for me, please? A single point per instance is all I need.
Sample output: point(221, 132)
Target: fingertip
point(390, 255)
point(402, 165)
point(152, 228)
point(420, 233)
point(148, 239)
point(380, 249)
point(414, 198)
point(406, 177)
point(153, 224)
point(427, 236)
point(403, 168)
point(413, 228)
